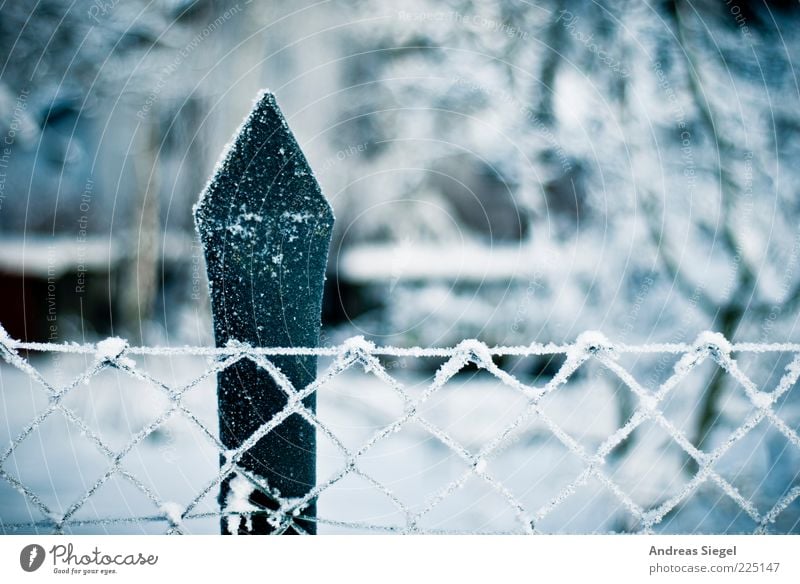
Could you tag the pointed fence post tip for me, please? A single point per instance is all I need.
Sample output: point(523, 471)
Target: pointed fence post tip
point(265, 228)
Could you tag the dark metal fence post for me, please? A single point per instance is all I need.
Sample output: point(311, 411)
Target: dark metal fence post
point(265, 228)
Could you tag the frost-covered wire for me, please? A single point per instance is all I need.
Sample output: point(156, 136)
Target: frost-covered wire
point(357, 352)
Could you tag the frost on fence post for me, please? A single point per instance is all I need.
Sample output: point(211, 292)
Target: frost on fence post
point(265, 228)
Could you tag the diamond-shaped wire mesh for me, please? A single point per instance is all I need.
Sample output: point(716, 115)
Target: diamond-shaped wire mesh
point(469, 467)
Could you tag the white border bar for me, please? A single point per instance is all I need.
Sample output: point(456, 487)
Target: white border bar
point(409, 559)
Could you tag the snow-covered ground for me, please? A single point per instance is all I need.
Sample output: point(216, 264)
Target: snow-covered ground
point(59, 463)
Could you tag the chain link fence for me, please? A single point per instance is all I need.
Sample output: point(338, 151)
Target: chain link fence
point(555, 475)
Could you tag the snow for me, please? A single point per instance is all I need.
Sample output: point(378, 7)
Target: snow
point(297, 217)
point(762, 400)
point(111, 348)
point(590, 342)
point(239, 497)
point(238, 503)
point(56, 256)
point(173, 511)
point(714, 341)
point(420, 262)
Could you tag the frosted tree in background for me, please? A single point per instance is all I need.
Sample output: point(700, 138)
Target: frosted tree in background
point(595, 119)
point(639, 157)
point(95, 100)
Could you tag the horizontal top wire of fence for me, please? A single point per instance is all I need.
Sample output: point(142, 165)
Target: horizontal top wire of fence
point(359, 354)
